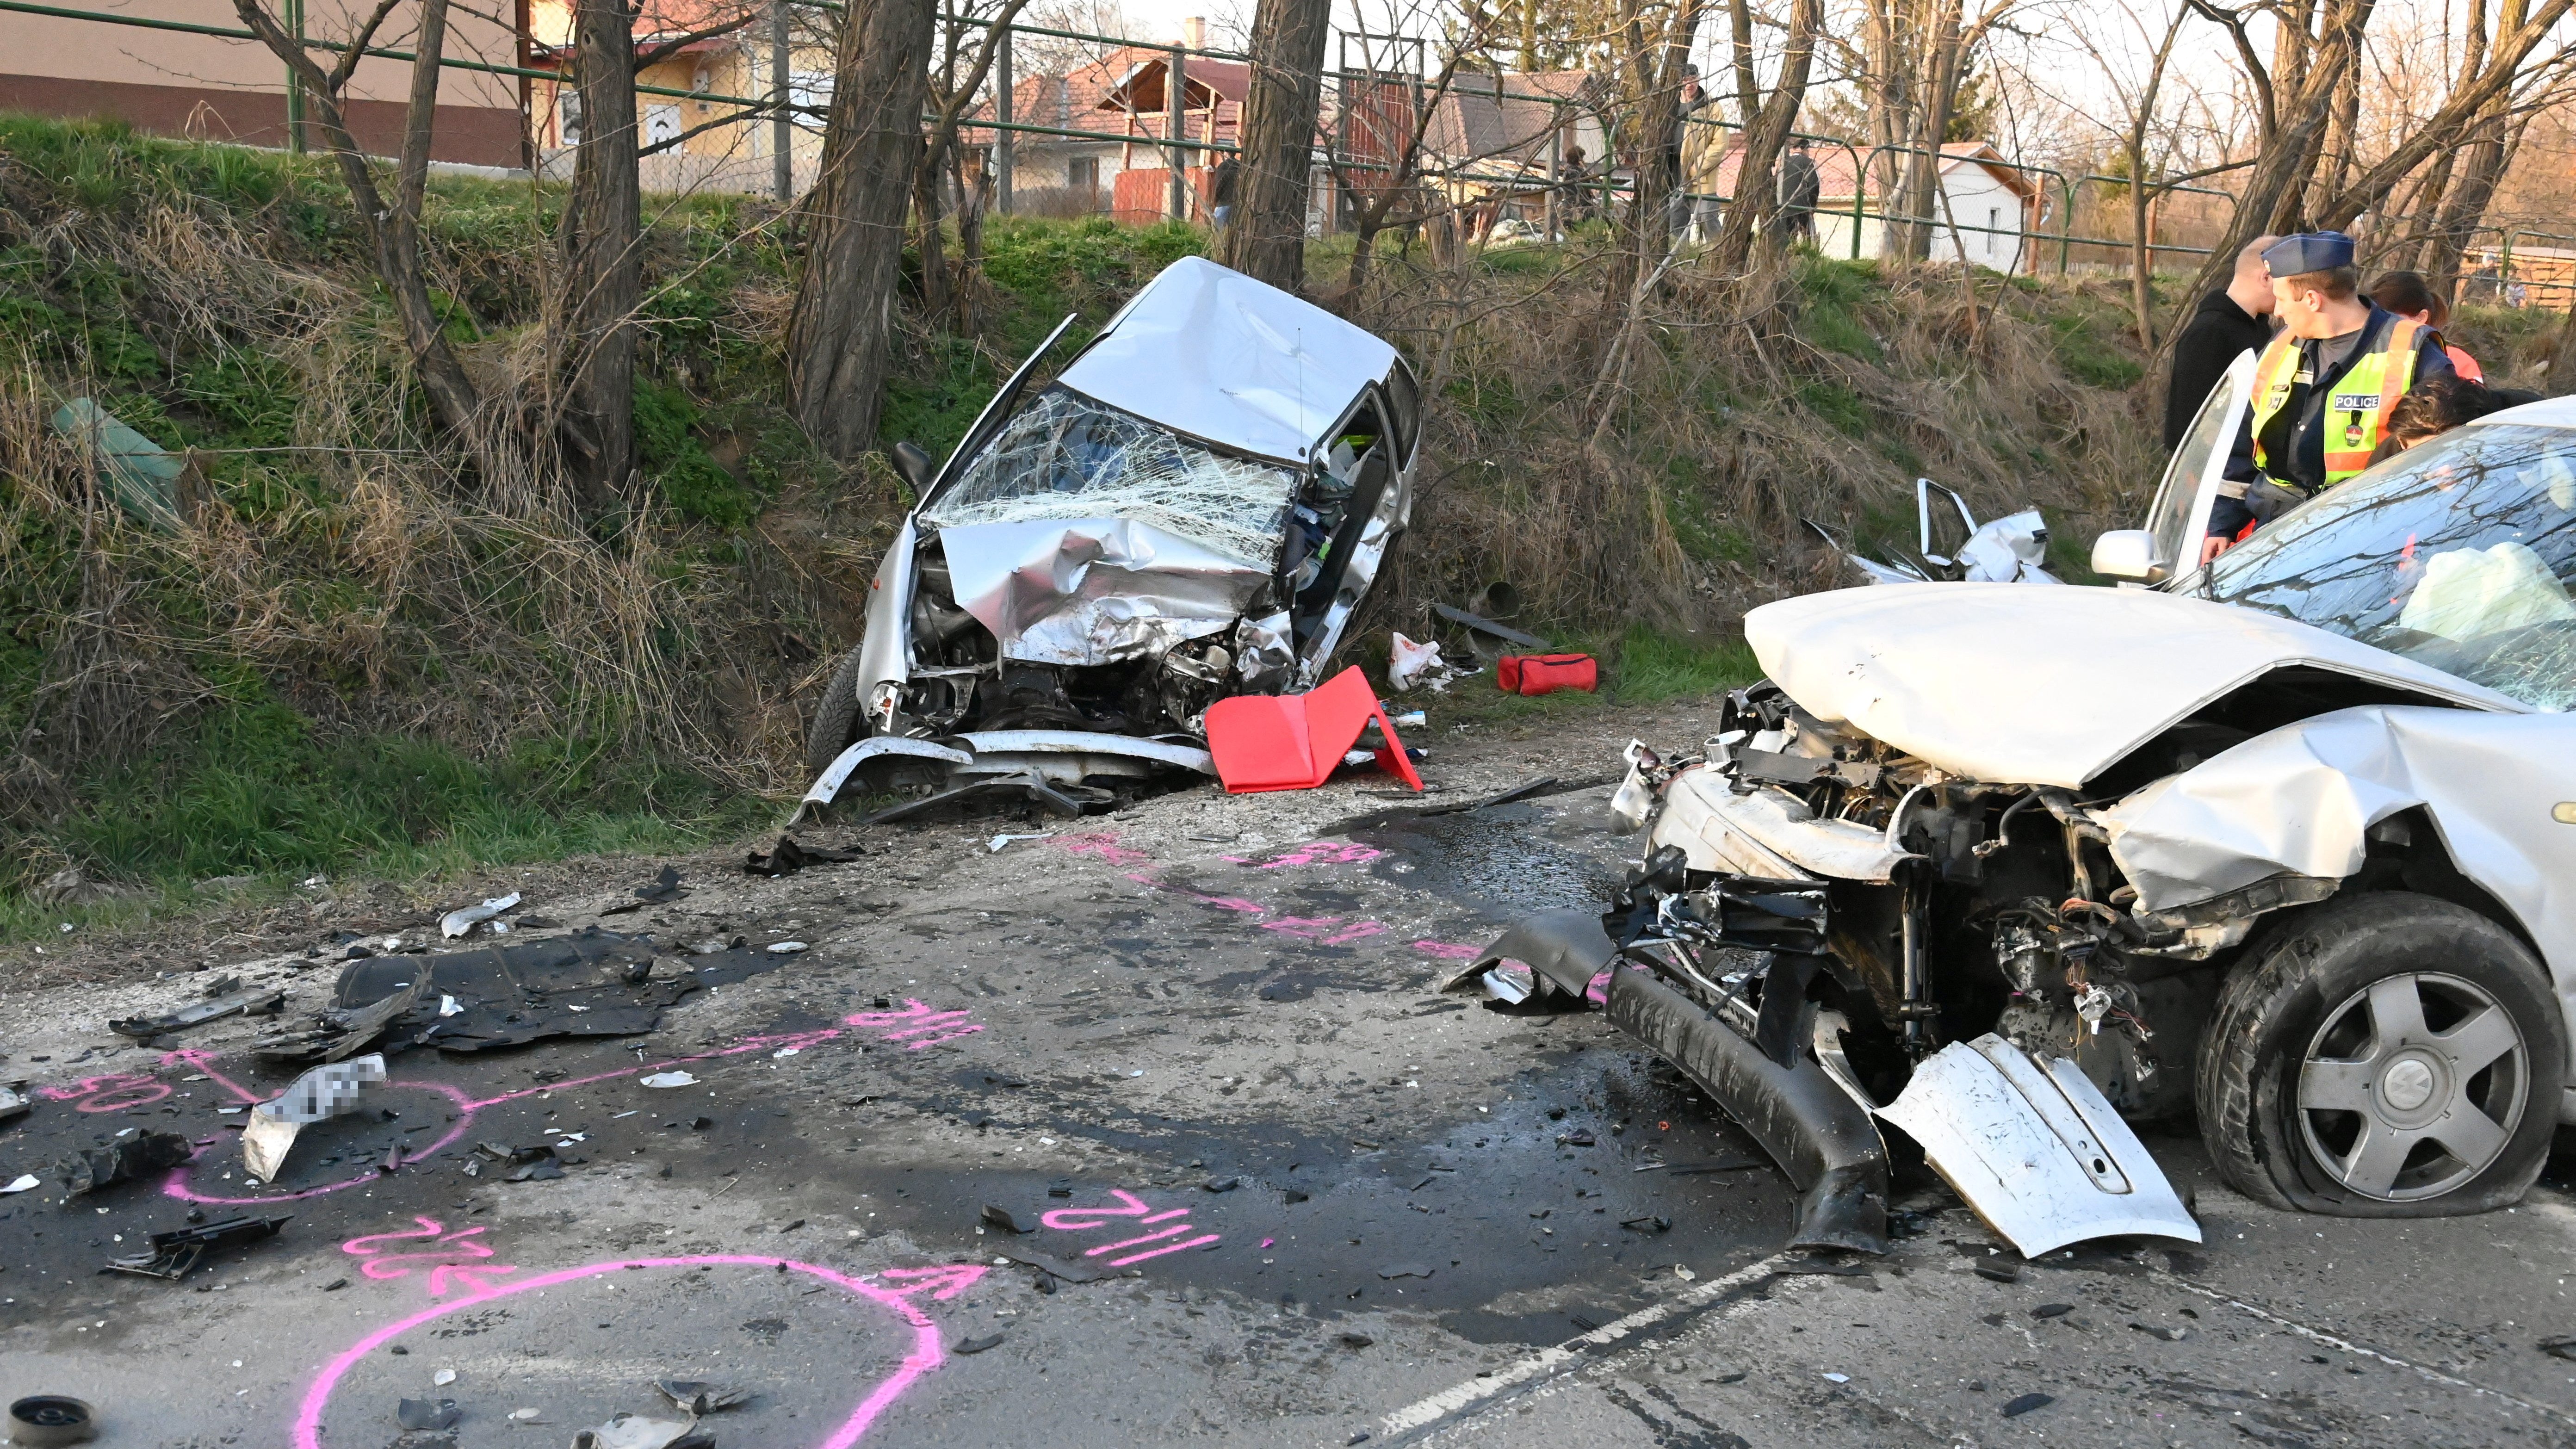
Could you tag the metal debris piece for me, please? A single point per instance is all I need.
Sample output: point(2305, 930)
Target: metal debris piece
point(426, 1414)
point(696, 1396)
point(50, 1419)
point(465, 918)
point(1482, 632)
point(176, 1252)
point(98, 1167)
point(324, 1092)
point(244, 1003)
point(634, 1431)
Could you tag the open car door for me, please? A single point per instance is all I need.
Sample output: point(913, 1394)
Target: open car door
point(2179, 517)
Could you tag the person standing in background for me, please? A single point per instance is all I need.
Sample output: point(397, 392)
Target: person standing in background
point(2408, 295)
point(2235, 318)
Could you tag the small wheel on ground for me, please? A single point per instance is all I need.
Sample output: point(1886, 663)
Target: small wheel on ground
point(838, 723)
point(2388, 1055)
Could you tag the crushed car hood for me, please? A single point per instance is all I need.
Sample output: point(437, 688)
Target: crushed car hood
point(1227, 360)
point(2017, 685)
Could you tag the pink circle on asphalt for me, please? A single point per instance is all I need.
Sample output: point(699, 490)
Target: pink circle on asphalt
point(925, 1356)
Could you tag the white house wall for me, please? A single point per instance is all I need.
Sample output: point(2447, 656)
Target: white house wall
point(1975, 195)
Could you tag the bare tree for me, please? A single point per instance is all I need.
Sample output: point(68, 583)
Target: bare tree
point(1265, 235)
point(960, 76)
point(839, 339)
point(1916, 52)
point(392, 226)
point(1400, 180)
point(2137, 97)
point(1767, 127)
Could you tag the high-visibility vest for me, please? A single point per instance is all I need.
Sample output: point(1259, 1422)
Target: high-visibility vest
point(2356, 411)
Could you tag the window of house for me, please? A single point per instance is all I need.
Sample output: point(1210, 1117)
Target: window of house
point(1082, 173)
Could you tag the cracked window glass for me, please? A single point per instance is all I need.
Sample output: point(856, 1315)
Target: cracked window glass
point(1065, 456)
point(2457, 553)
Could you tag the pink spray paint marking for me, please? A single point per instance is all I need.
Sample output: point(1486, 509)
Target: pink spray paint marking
point(916, 1026)
point(176, 1185)
point(1449, 950)
point(925, 1356)
point(441, 1258)
point(1103, 844)
point(1323, 852)
point(111, 1093)
point(1129, 1205)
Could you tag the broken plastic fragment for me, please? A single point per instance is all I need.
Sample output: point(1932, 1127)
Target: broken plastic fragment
point(21, 1183)
point(426, 1414)
point(669, 1079)
point(785, 948)
point(698, 1397)
point(634, 1431)
point(144, 1028)
point(175, 1253)
point(457, 922)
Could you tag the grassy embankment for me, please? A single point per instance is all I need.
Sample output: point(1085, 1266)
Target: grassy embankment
point(353, 662)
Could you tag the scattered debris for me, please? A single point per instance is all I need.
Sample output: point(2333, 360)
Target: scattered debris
point(1296, 741)
point(2554, 1347)
point(784, 948)
point(790, 856)
point(1837, 1378)
point(978, 1345)
point(1412, 666)
point(1999, 1272)
point(144, 478)
point(1579, 1137)
point(994, 845)
point(1357, 1340)
point(1483, 633)
point(1222, 1184)
point(98, 1167)
point(1007, 1220)
point(70, 886)
point(2175, 1334)
point(2052, 1310)
point(1648, 1224)
point(1393, 1271)
point(697, 1397)
point(517, 1164)
point(176, 1252)
point(457, 922)
point(21, 1183)
point(669, 1079)
point(664, 886)
point(1536, 674)
point(325, 1091)
point(634, 1431)
point(50, 1419)
point(2015, 1408)
point(260, 1002)
point(14, 1101)
point(443, 1377)
point(426, 1414)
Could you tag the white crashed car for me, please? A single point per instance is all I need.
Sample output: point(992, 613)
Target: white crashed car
point(1194, 508)
point(2291, 844)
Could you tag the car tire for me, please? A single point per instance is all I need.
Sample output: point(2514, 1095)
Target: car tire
point(837, 721)
point(2386, 1055)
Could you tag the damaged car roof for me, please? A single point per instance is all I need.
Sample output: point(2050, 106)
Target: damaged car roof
point(2091, 674)
point(1225, 359)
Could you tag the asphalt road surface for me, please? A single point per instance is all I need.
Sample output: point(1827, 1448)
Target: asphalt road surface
point(1276, 1188)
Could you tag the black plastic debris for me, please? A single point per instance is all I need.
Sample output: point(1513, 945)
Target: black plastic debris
point(2174, 1334)
point(2014, 1408)
point(2558, 1348)
point(1576, 1138)
point(1294, 1195)
point(664, 886)
point(696, 1396)
point(590, 983)
point(514, 1164)
point(426, 1414)
point(1068, 801)
point(790, 856)
point(998, 1216)
point(1722, 1164)
point(97, 1167)
point(1648, 1224)
point(1357, 1340)
point(978, 1345)
point(259, 1002)
point(1222, 1184)
point(2052, 1310)
point(49, 1419)
point(1393, 1271)
point(175, 1252)
point(1070, 1270)
point(1999, 1272)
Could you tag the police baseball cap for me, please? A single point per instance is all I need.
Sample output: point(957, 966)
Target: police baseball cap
point(2309, 251)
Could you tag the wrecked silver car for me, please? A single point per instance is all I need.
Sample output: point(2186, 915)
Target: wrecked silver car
point(1193, 509)
point(2293, 849)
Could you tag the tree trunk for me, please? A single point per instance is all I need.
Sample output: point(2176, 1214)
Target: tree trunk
point(1766, 133)
point(927, 242)
point(1922, 191)
point(1265, 235)
point(840, 337)
point(2480, 166)
point(603, 272)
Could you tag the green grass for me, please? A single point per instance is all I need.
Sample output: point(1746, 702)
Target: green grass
point(1654, 666)
point(257, 792)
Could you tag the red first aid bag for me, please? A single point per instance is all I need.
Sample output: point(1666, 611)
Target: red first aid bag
point(1546, 673)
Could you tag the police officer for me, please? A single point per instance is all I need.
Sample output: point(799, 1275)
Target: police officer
point(2323, 388)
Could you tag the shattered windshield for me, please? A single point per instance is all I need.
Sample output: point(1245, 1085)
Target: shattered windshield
point(1066, 456)
point(2457, 553)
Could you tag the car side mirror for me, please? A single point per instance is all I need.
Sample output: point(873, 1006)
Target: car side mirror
point(914, 465)
point(2129, 553)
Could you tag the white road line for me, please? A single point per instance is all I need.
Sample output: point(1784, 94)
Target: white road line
point(1550, 1361)
point(2318, 1335)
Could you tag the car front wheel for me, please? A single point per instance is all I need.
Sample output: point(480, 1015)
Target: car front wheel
point(2388, 1055)
point(837, 721)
